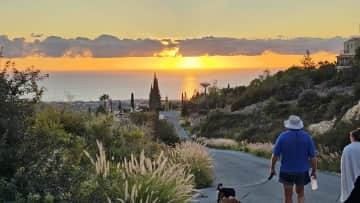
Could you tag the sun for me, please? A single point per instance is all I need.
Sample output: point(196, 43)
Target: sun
point(190, 63)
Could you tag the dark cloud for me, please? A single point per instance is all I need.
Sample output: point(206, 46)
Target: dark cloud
point(233, 46)
point(110, 46)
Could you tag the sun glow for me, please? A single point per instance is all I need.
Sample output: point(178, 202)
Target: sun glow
point(189, 86)
point(265, 60)
point(191, 63)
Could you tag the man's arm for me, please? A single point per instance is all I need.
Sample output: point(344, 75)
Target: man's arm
point(274, 159)
point(313, 161)
point(275, 155)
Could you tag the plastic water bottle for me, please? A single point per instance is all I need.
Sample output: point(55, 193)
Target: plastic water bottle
point(314, 183)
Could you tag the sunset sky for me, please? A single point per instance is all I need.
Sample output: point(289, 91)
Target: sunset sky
point(159, 34)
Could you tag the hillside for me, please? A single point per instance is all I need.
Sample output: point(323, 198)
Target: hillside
point(325, 97)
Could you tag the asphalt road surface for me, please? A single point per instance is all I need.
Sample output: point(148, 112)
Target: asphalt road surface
point(236, 169)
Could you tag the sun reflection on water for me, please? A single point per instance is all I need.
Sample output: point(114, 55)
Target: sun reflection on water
point(190, 85)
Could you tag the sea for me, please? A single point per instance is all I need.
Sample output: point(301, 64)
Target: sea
point(90, 85)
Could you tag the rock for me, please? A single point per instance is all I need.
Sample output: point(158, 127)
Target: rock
point(321, 127)
point(352, 114)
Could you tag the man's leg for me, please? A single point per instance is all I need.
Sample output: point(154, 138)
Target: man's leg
point(300, 193)
point(288, 191)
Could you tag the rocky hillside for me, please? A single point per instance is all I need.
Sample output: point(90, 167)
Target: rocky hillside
point(326, 98)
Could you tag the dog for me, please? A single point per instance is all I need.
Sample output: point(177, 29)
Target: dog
point(226, 195)
point(229, 200)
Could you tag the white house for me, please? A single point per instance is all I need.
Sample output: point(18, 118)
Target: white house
point(346, 58)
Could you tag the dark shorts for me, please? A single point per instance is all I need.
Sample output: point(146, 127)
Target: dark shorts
point(294, 178)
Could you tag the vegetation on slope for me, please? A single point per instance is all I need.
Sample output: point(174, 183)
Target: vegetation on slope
point(46, 153)
point(316, 94)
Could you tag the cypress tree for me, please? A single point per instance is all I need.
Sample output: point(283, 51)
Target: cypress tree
point(132, 102)
point(155, 98)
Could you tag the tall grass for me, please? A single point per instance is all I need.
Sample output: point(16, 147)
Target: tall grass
point(328, 160)
point(220, 143)
point(196, 159)
point(259, 146)
point(142, 179)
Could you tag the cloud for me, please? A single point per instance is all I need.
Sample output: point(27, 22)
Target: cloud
point(107, 46)
point(34, 35)
point(233, 46)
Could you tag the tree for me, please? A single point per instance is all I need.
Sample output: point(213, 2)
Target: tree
point(205, 85)
point(132, 102)
point(307, 61)
point(155, 98)
point(167, 106)
point(165, 132)
point(104, 98)
point(19, 92)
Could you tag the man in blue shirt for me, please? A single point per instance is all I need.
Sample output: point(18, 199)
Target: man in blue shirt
point(296, 148)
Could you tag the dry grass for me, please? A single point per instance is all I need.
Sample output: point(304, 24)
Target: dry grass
point(265, 147)
point(328, 160)
point(221, 143)
point(154, 181)
point(102, 166)
point(143, 180)
point(197, 160)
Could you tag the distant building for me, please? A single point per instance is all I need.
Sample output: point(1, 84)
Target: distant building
point(346, 58)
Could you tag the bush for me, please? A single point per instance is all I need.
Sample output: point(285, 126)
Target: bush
point(197, 160)
point(165, 132)
point(308, 98)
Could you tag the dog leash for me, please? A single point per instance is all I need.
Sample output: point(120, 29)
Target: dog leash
point(261, 182)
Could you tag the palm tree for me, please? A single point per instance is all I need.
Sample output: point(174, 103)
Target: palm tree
point(104, 98)
point(205, 85)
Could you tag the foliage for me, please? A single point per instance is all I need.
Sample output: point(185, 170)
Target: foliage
point(165, 132)
point(141, 118)
point(197, 161)
point(315, 94)
point(105, 98)
point(308, 98)
point(155, 98)
point(42, 159)
point(159, 130)
point(53, 163)
point(307, 61)
point(139, 180)
point(132, 102)
point(19, 92)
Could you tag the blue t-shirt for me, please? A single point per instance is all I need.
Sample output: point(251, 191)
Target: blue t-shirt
point(295, 148)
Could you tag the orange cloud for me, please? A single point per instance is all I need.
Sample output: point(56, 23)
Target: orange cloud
point(265, 60)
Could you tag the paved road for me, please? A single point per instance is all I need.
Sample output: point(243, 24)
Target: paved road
point(232, 168)
point(174, 117)
point(237, 168)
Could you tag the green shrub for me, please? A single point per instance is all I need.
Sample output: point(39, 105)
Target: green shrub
point(165, 132)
